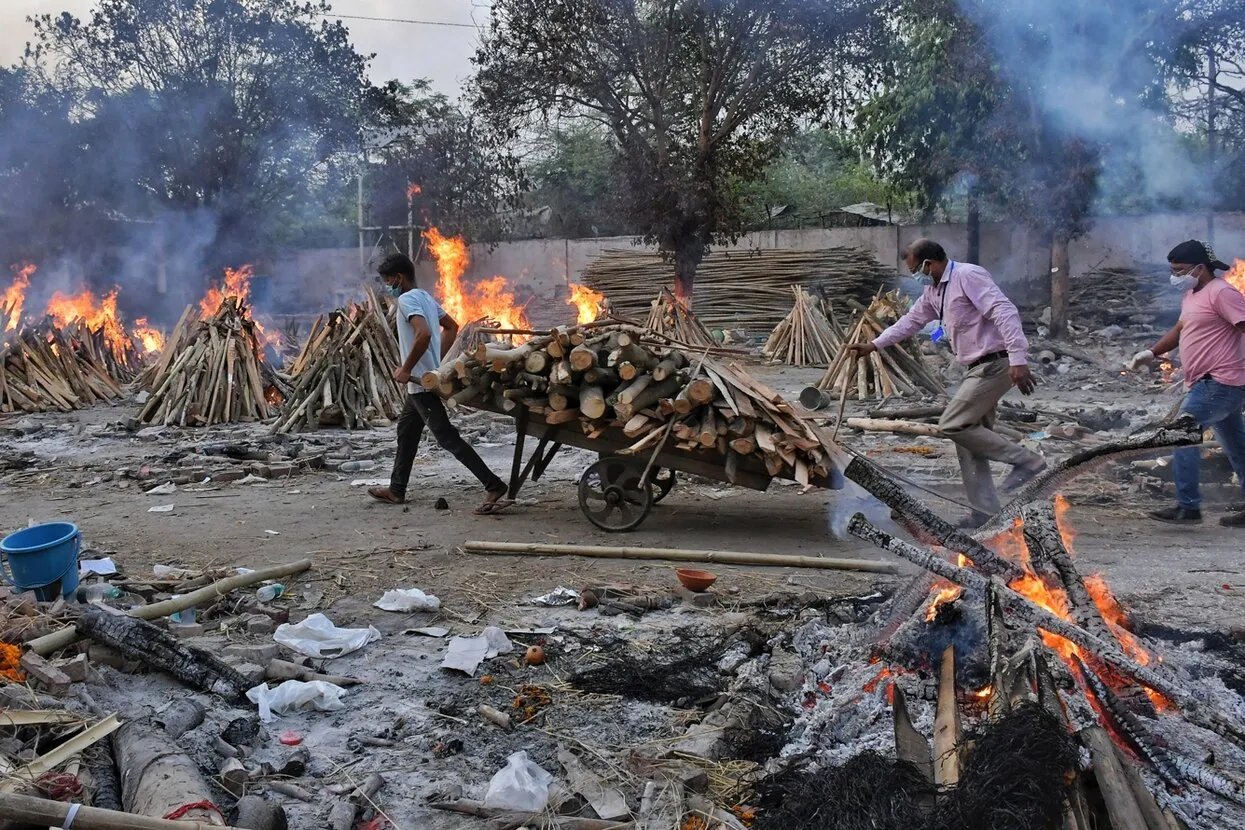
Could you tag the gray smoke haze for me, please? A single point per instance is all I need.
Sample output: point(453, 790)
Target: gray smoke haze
point(1087, 66)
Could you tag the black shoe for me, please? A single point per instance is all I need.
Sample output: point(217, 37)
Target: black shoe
point(973, 521)
point(1233, 519)
point(1177, 515)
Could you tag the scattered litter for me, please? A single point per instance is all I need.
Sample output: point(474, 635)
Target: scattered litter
point(171, 572)
point(163, 489)
point(161, 508)
point(407, 599)
point(270, 592)
point(364, 466)
point(557, 597)
point(465, 654)
point(273, 532)
point(521, 785)
point(290, 738)
point(251, 478)
point(427, 631)
point(103, 567)
point(317, 636)
point(369, 482)
point(293, 695)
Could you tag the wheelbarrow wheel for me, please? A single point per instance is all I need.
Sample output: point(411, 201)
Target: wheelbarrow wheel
point(662, 480)
point(612, 495)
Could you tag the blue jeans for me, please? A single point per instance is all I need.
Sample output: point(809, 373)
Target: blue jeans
point(1216, 405)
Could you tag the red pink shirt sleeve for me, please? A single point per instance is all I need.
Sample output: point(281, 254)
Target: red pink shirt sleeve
point(990, 300)
point(921, 313)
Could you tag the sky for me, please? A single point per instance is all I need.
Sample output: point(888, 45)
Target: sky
point(403, 50)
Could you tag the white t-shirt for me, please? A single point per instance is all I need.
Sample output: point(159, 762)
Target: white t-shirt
point(419, 303)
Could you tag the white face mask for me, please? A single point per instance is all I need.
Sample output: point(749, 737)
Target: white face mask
point(1185, 281)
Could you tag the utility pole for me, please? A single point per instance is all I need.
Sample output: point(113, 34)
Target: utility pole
point(1211, 150)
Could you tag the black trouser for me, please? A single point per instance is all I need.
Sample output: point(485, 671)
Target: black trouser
point(426, 408)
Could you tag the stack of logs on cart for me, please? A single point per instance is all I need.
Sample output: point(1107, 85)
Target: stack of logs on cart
point(1053, 643)
point(343, 376)
point(45, 368)
point(212, 371)
point(899, 370)
point(614, 375)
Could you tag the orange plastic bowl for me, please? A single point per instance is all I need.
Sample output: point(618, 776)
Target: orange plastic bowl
point(694, 580)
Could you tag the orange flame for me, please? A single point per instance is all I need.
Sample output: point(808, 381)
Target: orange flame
point(872, 685)
point(947, 593)
point(237, 285)
point(96, 314)
point(14, 297)
point(1236, 275)
point(1066, 532)
point(151, 338)
point(588, 303)
point(413, 191)
point(489, 298)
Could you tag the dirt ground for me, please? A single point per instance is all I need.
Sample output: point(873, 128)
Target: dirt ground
point(1182, 576)
point(86, 468)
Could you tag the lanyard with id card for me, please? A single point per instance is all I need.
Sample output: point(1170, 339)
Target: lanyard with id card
point(940, 334)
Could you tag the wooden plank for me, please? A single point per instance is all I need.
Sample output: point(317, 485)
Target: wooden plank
point(947, 730)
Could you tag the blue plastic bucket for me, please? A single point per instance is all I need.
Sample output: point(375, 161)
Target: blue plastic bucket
point(40, 557)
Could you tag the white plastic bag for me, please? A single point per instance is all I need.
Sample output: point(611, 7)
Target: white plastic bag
point(316, 636)
point(407, 599)
point(293, 695)
point(521, 785)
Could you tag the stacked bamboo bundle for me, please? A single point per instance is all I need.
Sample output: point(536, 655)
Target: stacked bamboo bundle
point(806, 336)
point(212, 371)
point(41, 369)
point(900, 370)
point(671, 318)
point(117, 354)
point(615, 375)
point(343, 374)
point(738, 289)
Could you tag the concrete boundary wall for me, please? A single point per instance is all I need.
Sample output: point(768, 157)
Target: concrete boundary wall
point(541, 269)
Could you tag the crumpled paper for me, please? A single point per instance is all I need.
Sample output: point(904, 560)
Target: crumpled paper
point(465, 654)
point(557, 597)
point(317, 636)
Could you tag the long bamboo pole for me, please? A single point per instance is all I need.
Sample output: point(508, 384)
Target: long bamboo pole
point(66, 636)
point(42, 812)
point(723, 557)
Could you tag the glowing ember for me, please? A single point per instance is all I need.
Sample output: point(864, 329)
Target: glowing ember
point(872, 685)
point(152, 339)
point(489, 298)
point(413, 191)
point(1236, 275)
point(14, 296)
point(1066, 531)
point(982, 694)
point(237, 285)
point(98, 314)
point(948, 593)
point(587, 302)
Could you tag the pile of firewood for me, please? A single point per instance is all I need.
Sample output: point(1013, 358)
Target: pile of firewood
point(738, 289)
point(671, 318)
point(343, 374)
point(614, 375)
point(45, 368)
point(212, 371)
point(806, 336)
point(899, 370)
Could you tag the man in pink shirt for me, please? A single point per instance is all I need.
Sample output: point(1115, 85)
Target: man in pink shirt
point(983, 329)
point(1211, 337)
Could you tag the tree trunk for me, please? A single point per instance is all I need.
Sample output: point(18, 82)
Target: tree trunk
point(1059, 277)
point(687, 257)
point(974, 229)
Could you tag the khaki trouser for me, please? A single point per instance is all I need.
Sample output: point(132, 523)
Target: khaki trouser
point(967, 421)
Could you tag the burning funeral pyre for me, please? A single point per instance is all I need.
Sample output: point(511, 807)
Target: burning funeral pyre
point(77, 354)
point(213, 368)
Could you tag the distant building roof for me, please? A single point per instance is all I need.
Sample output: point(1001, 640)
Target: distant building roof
point(877, 213)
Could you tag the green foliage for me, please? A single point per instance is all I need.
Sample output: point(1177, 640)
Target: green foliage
point(574, 175)
point(697, 96)
point(223, 108)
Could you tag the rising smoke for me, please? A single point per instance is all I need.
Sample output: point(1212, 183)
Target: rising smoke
point(1096, 71)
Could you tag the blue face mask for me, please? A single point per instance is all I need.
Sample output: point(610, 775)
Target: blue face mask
point(394, 290)
point(922, 279)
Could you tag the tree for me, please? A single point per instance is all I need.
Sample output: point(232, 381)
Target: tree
point(441, 165)
point(697, 95)
point(574, 173)
point(229, 110)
